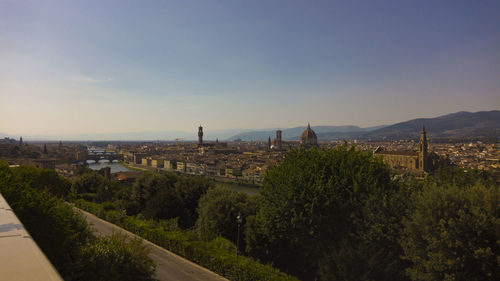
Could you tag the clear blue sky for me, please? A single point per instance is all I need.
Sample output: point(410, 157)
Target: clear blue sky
point(70, 67)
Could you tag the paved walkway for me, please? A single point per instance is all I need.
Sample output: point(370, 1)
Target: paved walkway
point(169, 265)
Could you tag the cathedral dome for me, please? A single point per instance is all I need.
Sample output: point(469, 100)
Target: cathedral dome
point(309, 137)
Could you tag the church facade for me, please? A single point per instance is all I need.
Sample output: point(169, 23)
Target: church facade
point(408, 160)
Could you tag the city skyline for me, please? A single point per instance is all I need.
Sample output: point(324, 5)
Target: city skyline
point(93, 67)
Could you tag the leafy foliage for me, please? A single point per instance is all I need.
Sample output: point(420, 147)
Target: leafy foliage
point(166, 196)
point(450, 175)
point(217, 255)
point(115, 258)
point(89, 182)
point(453, 233)
point(165, 204)
point(63, 234)
point(328, 214)
point(43, 180)
point(218, 210)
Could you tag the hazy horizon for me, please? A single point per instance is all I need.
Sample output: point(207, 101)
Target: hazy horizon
point(168, 135)
point(231, 133)
point(98, 67)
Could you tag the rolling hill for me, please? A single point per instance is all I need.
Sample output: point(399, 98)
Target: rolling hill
point(460, 125)
point(323, 133)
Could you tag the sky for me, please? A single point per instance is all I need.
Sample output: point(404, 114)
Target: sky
point(94, 67)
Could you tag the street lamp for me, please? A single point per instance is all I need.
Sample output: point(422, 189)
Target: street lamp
point(239, 220)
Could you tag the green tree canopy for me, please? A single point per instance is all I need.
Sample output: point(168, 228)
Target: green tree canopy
point(454, 233)
point(447, 175)
point(191, 189)
point(165, 196)
point(327, 214)
point(89, 183)
point(218, 210)
point(43, 179)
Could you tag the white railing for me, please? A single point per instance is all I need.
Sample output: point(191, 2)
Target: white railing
point(20, 256)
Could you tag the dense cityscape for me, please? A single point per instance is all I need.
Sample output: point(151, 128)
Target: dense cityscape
point(232, 160)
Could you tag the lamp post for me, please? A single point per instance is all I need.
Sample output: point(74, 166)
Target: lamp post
point(239, 220)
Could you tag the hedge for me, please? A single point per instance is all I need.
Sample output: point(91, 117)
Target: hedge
point(217, 255)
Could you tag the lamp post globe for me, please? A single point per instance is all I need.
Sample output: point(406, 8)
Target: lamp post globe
point(239, 220)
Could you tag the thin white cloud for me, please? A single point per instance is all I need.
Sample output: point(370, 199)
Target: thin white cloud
point(87, 79)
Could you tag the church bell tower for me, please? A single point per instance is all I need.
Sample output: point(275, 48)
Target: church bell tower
point(422, 151)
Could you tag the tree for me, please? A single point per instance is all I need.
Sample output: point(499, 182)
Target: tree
point(453, 233)
point(83, 169)
point(447, 175)
point(43, 180)
point(51, 182)
point(329, 207)
point(89, 183)
point(146, 186)
point(166, 203)
point(191, 189)
point(164, 196)
point(218, 210)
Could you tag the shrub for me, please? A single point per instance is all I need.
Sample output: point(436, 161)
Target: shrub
point(64, 236)
point(115, 258)
point(218, 255)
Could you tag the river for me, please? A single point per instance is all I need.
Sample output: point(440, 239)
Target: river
point(115, 167)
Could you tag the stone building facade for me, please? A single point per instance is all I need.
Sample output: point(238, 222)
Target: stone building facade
point(408, 160)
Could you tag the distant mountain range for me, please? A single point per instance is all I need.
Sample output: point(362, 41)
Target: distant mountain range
point(323, 133)
point(460, 125)
point(136, 136)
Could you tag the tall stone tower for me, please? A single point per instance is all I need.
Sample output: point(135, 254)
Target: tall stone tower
point(269, 143)
point(200, 136)
point(278, 139)
point(21, 141)
point(422, 151)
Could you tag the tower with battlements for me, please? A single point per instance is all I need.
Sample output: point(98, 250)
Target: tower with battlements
point(200, 136)
point(278, 139)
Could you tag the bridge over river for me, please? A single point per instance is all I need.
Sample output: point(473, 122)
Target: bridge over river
point(99, 154)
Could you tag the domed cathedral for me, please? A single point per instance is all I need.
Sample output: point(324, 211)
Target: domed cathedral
point(308, 137)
